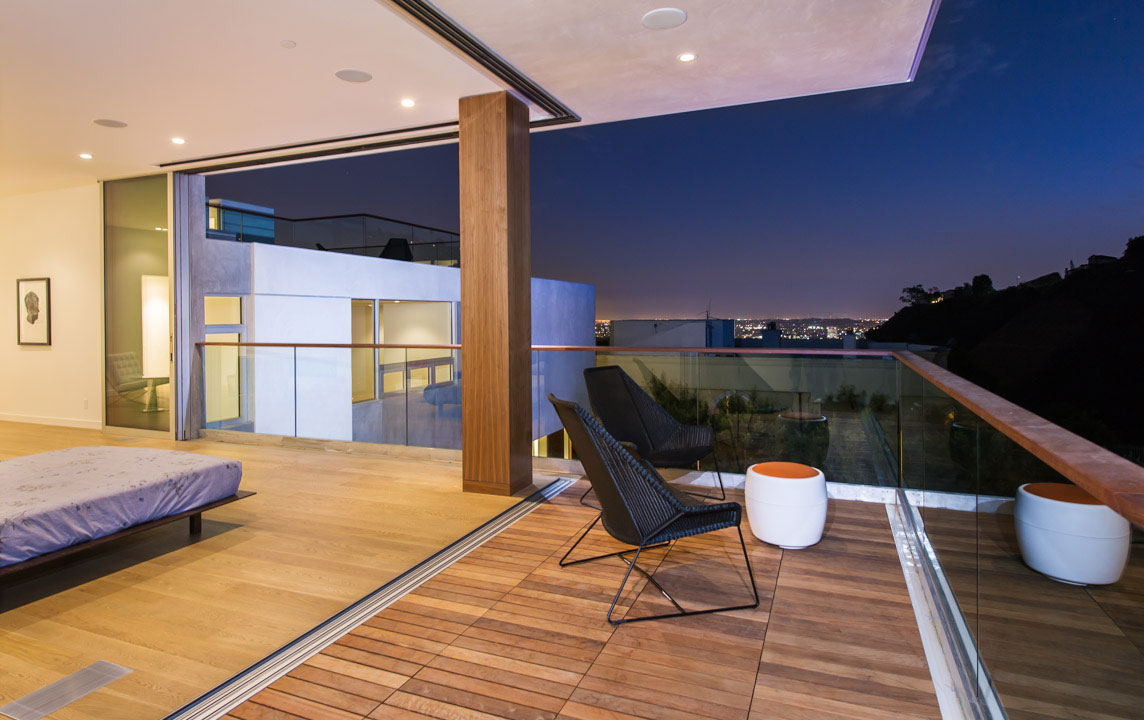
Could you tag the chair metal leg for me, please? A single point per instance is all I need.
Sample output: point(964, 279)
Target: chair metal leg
point(564, 562)
point(681, 612)
point(719, 475)
point(585, 504)
point(722, 490)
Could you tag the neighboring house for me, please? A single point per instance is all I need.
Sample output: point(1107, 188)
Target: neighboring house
point(294, 295)
point(673, 333)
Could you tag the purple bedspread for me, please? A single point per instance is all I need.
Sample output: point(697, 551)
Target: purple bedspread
point(56, 499)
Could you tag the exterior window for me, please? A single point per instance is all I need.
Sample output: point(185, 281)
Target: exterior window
point(411, 322)
point(222, 310)
point(222, 372)
point(362, 360)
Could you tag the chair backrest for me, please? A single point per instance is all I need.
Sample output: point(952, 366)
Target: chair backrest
point(628, 413)
point(634, 499)
point(123, 368)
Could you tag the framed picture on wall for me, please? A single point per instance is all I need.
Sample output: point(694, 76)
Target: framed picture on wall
point(34, 311)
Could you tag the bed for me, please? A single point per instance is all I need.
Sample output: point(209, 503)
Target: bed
point(58, 502)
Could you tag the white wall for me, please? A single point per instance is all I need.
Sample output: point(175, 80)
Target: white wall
point(303, 296)
point(279, 270)
point(660, 333)
point(563, 313)
point(53, 234)
point(320, 405)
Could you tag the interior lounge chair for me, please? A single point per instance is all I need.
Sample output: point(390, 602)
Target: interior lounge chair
point(633, 416)
point(125, 376)
point(639, 508)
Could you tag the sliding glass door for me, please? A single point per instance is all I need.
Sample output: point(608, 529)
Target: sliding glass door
point(137, 303)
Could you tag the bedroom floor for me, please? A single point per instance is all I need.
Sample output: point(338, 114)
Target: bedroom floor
point(324, 529)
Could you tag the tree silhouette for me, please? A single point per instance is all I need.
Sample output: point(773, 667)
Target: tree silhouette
point(982, 285)
point(918, 295)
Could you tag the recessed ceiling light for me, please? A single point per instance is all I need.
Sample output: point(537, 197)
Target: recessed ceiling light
point(687, 57)
point(353, 76)
point(161, 229)
point(178, 140)
point(105, 122)
point(407, 102)
point(288, 44)
point(85, 156)
point(664, 19)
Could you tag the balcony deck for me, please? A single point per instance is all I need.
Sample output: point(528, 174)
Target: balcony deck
point(507, 633)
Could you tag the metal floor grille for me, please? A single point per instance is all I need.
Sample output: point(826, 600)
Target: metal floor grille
point(64, 691)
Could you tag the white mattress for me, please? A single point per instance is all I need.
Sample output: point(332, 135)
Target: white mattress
point(56, 499)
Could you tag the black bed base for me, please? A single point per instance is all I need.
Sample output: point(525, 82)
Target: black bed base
point(196, 526)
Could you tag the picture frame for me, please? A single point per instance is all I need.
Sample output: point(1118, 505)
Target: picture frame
point(34, 311)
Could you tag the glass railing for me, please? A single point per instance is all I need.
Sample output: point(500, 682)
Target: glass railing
point(949, 462)
point(833, 411)
point(361, 234)
point(385, 394)
point(1038, 647)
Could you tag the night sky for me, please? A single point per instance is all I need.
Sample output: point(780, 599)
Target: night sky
point(1019, 147)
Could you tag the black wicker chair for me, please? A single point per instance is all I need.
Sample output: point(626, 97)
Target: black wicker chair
point(638, 508)
point(633, 416)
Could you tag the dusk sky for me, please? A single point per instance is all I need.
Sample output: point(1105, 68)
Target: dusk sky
point(1019, 147)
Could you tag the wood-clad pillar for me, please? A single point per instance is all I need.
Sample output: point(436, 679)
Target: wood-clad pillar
point(496, 302)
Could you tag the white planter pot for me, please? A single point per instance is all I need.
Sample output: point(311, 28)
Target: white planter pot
point(786, 504)
point(1080, 543)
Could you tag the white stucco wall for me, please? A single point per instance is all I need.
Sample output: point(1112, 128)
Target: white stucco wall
point(563, 313)
point(314, 398)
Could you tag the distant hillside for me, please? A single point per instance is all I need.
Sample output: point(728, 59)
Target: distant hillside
point(1071, 349)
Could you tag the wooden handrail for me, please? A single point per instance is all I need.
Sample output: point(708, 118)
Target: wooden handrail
point(578, 348)
point(1115, 481)
point(345, 346)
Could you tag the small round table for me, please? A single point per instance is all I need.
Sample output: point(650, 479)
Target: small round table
point(1069, 535)
point(786, 503)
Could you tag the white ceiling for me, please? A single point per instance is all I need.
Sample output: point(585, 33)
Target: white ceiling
point(597, 58)
point(214, 71)
point(210, 71)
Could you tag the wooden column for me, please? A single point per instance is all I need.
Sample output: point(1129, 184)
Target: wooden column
point(496, 302)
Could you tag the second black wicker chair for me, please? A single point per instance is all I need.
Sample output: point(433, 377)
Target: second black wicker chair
point(633, 416)
point(638, 508)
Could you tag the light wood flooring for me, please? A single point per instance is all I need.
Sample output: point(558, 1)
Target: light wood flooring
point(507, 633)
point(324, 529)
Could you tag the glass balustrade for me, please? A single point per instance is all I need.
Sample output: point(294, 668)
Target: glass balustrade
point(364, 235)
point(838, 413)
point(375, 394)
point(1040, 647)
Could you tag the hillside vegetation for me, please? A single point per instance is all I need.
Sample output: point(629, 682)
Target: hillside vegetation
point(1070, 349)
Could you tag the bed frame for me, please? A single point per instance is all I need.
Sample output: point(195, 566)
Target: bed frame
point(196, 527)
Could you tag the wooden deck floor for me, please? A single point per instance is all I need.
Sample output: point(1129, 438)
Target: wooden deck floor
point(507, 633)
point(324, 529)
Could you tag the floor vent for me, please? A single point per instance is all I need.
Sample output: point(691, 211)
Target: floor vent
point(64, 691)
